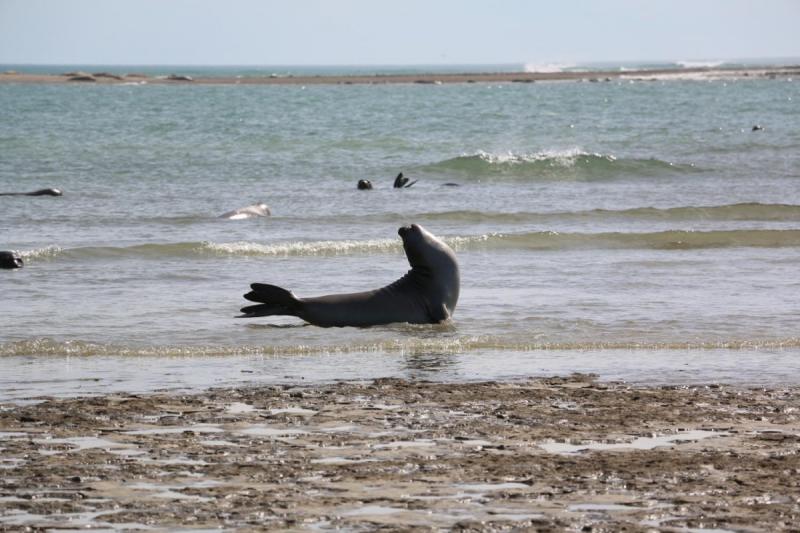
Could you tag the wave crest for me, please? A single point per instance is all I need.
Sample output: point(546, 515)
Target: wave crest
point(45, 347)
point(569, 164)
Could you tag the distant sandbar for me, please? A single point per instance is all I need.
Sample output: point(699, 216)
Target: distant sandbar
point(699, 73)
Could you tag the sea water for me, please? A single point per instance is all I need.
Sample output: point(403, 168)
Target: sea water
point(639, 230)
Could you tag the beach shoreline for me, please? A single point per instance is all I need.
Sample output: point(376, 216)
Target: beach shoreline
point(546, 453)
point(506, 77)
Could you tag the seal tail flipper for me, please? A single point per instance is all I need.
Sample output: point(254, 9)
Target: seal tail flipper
point(412, 183)
point(272, 294)
point(272, 301)
point(253, 311)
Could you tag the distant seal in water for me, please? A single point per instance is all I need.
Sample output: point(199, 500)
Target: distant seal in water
point(364, 185)
point(10, 260)
point(427, 294)
point(452, 184)
point(757, 128)
point(40, 192)
point(251, 211)
point(401, 181)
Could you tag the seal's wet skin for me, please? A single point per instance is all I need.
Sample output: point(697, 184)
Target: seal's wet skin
point(10, 260)
point(40, 192)
point(427, 294)
point(251, 211)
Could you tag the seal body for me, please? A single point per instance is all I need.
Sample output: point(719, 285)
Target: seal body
point(427, 294)
point(10, 260)
point(40, 192)
point(251, 211)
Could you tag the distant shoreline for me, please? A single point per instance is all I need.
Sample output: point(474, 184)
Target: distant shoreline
point(699, 73)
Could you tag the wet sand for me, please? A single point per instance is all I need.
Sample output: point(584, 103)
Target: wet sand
point(503, 77)
point(547, 454)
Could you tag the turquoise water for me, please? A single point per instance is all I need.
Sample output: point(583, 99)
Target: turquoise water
point(638, 230)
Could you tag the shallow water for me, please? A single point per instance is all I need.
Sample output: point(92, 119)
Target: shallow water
point(638, 230)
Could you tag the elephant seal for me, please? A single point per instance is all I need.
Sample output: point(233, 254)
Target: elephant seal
point(427, 294)
point(401, 181)
point(10, 260)
point(40, 192)
point(251, 211)
point(364, 185)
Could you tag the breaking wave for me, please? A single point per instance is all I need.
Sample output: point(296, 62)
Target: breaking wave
point(535, 241)
point(572, 164)
point(45, 347)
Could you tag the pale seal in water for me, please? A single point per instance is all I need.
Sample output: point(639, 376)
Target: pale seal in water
point(251, 211)
point(427, 294)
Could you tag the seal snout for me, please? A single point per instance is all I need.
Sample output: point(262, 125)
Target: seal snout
point(404, 230)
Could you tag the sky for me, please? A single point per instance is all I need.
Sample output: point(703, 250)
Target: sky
point(389, 32)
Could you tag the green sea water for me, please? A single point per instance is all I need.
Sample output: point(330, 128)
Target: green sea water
point(642, 231)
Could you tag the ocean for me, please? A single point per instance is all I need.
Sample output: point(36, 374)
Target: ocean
point(641, 231)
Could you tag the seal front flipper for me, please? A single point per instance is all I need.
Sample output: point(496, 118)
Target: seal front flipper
point(440, 315)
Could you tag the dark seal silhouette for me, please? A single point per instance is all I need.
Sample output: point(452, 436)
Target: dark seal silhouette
point(427, 294)
point(40, 192)
point(10, 260)
point(401, 181)
point(364, 185)
point(757, 128)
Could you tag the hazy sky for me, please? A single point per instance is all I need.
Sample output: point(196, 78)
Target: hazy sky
point(351, 32)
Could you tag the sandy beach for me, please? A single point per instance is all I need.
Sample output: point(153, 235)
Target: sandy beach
point(508, 77)
point(548, 454)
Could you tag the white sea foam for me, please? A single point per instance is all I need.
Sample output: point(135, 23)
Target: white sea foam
point(547, 67)
point(303, 248)
point(700, 64)
point(39, 253)
point(566, 157)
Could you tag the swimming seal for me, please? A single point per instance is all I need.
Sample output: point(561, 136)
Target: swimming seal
point(427, 294)
point(10, 260)
point(364, 185)
point(401, 181)
point(40, 192)
point(251, 211)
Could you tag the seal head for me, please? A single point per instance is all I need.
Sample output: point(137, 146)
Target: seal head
point(10, 260)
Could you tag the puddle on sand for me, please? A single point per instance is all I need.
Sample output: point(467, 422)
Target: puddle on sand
point(480, 487)
point(271, 432)
point(72, 520)
point(501, 516)
point(219, 443)
point(237, 408)
point(639, 443)
point(405, 444)
point(81, 443)
point(292, 411)
point(602, 507)
point(169, 430)
point(339, 461)
point(371, 510)
point(12, 434)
